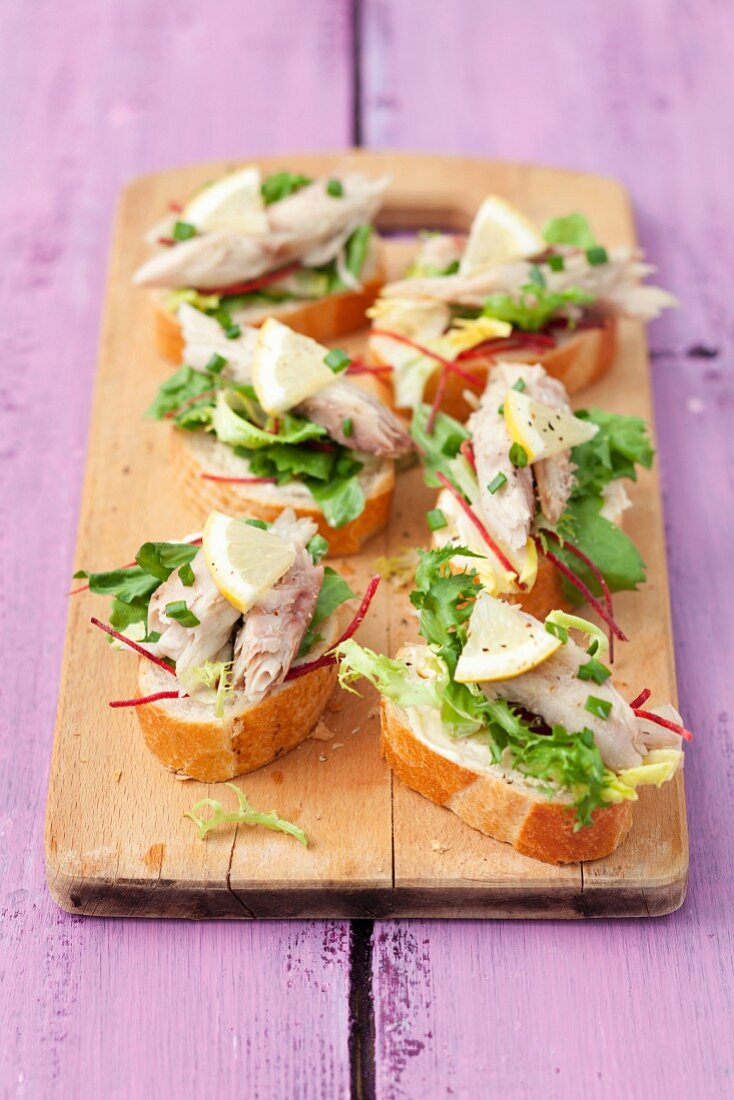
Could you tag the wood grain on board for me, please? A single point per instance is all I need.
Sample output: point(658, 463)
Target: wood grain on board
point(117, 841)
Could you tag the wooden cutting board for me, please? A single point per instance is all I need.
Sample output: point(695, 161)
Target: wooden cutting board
point(117, 842)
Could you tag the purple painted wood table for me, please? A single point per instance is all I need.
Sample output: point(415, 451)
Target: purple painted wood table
point(93, 93)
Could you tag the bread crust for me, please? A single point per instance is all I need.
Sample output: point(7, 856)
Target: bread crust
point(212, 749)
point(324, 319)
point(516, 815)
point(578, 362)
point(238, 499)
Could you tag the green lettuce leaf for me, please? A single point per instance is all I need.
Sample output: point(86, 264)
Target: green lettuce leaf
point(356, 249)
point(184, 386)
point(132, 588)
point(341, 499)
point(233, 427)
point(533, 306)
point(621, 444)
point(280, 185)
point(611, 550)
point(438, 447)
point(574, 230)
point(333, 593)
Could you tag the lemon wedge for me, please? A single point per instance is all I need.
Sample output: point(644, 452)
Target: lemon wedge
point(503, 642)
point(233, 203)
point(244, 561)
point(287, 367)
point(541, 430)
point(499, 232)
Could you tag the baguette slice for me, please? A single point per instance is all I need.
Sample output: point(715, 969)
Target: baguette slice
point(323, 319)
point(578, 360)
point(187, 738)
point(197, 453)
point(503, 807)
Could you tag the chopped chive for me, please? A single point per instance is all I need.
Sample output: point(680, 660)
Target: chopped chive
point(597, 255)
point(497, 482)
point(183, 231)
point(594, 670)
point(178, 611)
point(587, 737)
point(557, 631)
point(232, 332)
point(593, 647)
point(600, 707)
point(556, 263)
point(348, 427)
point(536, 275)
point(317, 547)
point(257, 523)
point(335, 188)
point(519, 385)
point(518, 456)
point(436, 519)
point(501, 410)
point(337, 360)
point(216, 364)
point(186, 574)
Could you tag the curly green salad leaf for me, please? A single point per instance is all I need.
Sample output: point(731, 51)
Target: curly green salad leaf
point(243, 815)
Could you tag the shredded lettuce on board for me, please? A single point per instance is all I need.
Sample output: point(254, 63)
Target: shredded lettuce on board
point(243, 815)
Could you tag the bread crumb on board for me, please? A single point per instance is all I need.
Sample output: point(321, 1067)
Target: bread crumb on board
point(437, 846)
point(322, 732)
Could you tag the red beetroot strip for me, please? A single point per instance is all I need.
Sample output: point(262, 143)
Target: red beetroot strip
point(329, 658)
point(585, 592)
point(684, 733)
point(190, 401)
point(141, 700)
point(641, 698)
point(251, 284)
point(599, 577)
point(240, 480)
point(479, 526)
point(133, 645)
point(358, 366)
point(516, 342)
point(447, 364)
point(467, 450)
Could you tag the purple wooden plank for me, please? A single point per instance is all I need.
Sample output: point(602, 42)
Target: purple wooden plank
point(92, 94)
point(636, 91)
